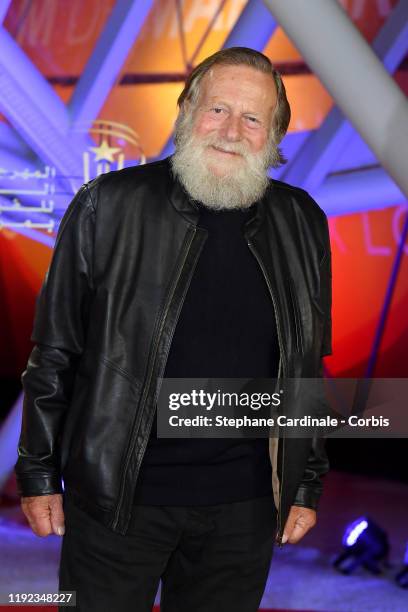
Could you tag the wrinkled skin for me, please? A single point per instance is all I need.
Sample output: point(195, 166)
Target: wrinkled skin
point(45, 514)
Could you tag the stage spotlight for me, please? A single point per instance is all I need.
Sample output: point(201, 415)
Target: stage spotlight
point(364, 543)
point(402, 577)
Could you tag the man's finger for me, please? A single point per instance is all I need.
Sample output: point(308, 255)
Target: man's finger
point(289, 526)
point(38, 519)
point(38, 513)
point(299, 521)
point(298, 532)
point(57, 515)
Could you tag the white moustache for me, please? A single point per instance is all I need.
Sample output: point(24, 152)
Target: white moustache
point(237, 148)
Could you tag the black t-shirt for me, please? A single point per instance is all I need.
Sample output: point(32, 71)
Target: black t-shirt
point(226, 329)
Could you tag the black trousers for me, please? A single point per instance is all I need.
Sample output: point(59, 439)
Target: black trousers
point(209, 558)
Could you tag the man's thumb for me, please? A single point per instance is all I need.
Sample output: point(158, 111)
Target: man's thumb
point(57, 516)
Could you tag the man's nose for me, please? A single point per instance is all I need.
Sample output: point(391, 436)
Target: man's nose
point(232, 128)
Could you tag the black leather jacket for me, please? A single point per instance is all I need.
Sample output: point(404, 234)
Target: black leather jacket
point(105, 316)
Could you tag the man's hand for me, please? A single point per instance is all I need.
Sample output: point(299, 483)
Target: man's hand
point(44, 513)
point(300, 520)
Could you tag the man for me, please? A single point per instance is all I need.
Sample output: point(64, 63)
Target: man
point(195, 266)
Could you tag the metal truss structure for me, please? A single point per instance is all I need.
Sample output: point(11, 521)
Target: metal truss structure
point(368, 126)
point(42, 127)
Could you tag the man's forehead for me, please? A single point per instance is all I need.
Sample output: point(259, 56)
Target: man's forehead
point(224, 70)
point(221, 76)
point(259, 96)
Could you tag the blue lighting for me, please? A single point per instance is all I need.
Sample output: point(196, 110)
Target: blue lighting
point(354, 531)
point(365, 544)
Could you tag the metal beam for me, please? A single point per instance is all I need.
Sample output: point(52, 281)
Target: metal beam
point(9, 436)
point(4, 7)
point(391, 43)
point(253, 28)
point(13, 143)
point(315, 159)
point(358, 191)
point(35, 110)
point(105, 63)
point(387, 304)
point(353, 75)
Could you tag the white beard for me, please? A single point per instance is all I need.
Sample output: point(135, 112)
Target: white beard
point(244, 181)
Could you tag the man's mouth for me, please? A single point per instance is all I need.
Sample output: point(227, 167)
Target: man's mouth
point(225, 151)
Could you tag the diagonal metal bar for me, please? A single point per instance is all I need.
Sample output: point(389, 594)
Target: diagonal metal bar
point(376, 110)
point(4, 7)
point(253, 28)
point(11, 143)
point(387, 301)
point(182, 35)
point(105, 63)
point(206, 33)
point(358, 191)
point(34, 109)
point(315, 159)
point(9, 434)
point(391, 43)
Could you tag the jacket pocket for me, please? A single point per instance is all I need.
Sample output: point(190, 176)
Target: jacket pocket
point(98, 430)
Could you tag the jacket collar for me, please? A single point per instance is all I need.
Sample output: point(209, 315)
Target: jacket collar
point(186, 206)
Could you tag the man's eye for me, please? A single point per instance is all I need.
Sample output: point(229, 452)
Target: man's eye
point(252, 119)
point(217, 110)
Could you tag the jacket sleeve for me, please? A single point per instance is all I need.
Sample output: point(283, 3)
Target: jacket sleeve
point(59, 333)
point(311, 486)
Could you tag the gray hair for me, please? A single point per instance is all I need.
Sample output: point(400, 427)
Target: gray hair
point(243, 56)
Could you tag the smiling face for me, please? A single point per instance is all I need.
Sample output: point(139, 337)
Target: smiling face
point(233, 115)
point(224, 137)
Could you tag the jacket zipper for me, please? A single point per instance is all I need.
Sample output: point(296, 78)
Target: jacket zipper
point(295, 306)
point(187, 246)
point(278, 327)
point(194, 229)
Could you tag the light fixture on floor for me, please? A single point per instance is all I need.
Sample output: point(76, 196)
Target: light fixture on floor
point(402, 577)
point(365, 544)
